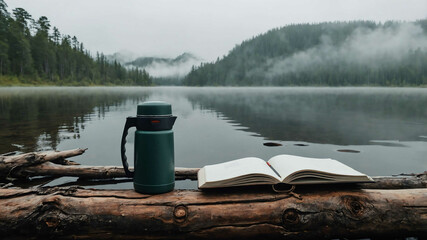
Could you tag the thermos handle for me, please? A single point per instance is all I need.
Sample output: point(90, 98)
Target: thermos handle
point(130, 122)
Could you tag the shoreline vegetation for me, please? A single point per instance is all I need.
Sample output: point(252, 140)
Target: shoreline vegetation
point(29, 84)
point(355, 53)
point(12, 81)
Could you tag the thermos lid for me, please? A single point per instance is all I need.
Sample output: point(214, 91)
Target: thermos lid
point(152, 108)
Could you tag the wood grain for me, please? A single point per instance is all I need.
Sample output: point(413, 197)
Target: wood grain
point(252, 213)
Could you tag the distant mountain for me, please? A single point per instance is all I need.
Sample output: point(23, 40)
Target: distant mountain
point(334, 54)
point(147, 61)
point(167, 67)
point(121, 57)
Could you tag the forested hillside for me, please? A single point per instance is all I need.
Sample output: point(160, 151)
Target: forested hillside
point(334, 54)
point(33, 53)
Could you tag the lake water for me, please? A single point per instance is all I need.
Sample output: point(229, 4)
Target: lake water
point(385, 128)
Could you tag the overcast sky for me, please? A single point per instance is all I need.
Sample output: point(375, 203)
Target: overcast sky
point(209, 29)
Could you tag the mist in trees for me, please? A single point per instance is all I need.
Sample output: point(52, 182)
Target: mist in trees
point(32, 52)
point(334, 54)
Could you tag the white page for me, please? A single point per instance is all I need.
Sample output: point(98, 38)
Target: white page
point(288, 164)
point(236, 168)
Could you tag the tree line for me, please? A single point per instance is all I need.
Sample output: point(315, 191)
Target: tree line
point(31, 52)
point(323, 54)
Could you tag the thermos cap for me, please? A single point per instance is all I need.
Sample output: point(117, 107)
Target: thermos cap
point(153, 108)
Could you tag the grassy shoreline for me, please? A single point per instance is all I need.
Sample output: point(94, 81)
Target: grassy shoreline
point(14, 81)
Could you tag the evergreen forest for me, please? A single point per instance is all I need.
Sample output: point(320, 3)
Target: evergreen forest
point(324, 54)
point(356, 53)
point(33, 53)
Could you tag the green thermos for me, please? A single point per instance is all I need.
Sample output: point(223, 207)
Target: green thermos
point(154, 167)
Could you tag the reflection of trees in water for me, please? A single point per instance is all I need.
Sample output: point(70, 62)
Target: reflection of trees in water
point(42, 118)
point(335, 116)
point(38, 119)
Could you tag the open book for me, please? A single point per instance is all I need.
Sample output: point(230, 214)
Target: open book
point(279, 169)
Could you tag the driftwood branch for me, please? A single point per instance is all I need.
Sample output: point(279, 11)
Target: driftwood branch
point(12, 163)
point(398, 182)
point(251, 213)
point(92, 172)
point(108, 172)
point(42, 164)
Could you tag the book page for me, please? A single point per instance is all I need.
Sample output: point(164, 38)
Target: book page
point(286, 165)
point(236, 168)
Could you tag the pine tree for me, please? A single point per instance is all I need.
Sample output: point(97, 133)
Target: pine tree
point(19, 46)
point(4, 45)
point(41, 48)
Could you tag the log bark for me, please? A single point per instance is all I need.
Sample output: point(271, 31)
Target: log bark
point(108, 172)
point(92, 172)
point(250, 213)
point(8, 164)
point(402, 181)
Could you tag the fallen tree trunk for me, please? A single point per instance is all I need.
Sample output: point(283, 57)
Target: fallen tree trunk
point(107, 172)
point(250, 213)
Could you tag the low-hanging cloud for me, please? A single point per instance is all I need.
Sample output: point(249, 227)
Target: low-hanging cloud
point(176, 70)
point(364, 47)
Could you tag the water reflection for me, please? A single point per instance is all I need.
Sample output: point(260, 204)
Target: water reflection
point(380, 126)
point(340, 116)
point(40, 118)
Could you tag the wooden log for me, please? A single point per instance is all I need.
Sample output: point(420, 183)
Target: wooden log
point(402, 181)
point(107, 172)
point(92, 172)
point(11, 163)
point(250, 213)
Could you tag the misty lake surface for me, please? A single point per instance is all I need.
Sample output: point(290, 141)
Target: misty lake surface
point(378, 131)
